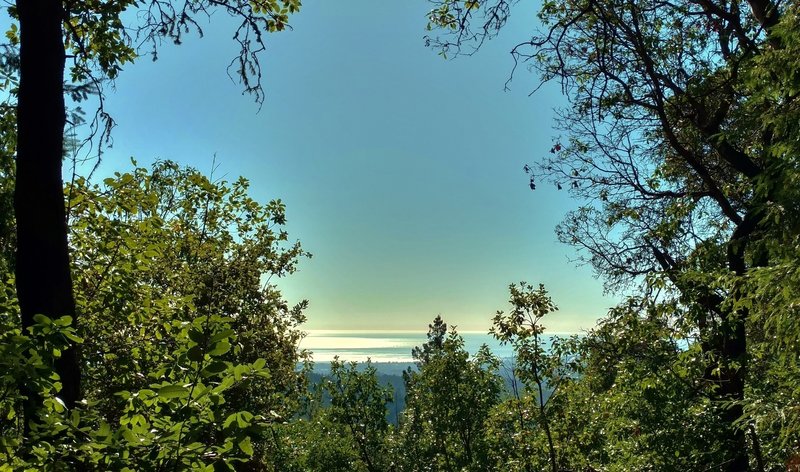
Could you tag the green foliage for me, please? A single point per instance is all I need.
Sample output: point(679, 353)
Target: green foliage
point(651, 393)
point(142, 278)
point(541, 369)
point(180, 420)
point(352, 433)
point(682, 139)
point(189, 353)
point(358, 402)
point(771, 291)
point(325, 445)
point(619, 398)
point(175, 422)
point(27, 358)
point(437, 335)
point(156, 248)
point(448, 400)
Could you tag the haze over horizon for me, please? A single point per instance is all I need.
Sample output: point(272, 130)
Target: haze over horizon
point(401, 171)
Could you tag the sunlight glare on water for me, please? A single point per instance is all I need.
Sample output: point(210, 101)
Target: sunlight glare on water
point(384, 346)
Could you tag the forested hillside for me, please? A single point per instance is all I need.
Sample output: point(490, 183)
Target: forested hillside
point(142, 327)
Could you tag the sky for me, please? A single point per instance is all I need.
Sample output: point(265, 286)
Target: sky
point(401, 171)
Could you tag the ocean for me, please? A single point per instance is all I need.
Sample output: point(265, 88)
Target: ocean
point(385, 346)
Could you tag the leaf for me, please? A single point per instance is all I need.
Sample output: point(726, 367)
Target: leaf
point(215, 368)
point(60, 405)
point(229, 420)
point(239, 371)
point(73, 338)
point(173, 391)
point(220, 348)
point(222, 335)
point(129, 436)
point(243, 419)
point(63, 321)
point(105, 429)
point(226, 383)
point(265, 374)
point(246, 446)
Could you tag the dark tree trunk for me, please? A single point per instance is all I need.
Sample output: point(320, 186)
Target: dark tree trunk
point(731, 388)
point(44, 284)
point(733, 350)
point(727, 345)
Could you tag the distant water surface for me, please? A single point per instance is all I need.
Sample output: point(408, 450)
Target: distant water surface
point(385, 346)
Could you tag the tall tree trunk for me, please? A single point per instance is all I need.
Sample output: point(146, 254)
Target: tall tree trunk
point(727, 346)
point(733, 351)
point(731, 388)
point(44, 284)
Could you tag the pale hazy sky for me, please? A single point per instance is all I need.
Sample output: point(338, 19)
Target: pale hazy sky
point(401, 172)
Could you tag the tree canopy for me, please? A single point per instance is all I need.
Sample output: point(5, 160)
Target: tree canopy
point(141, 328)
point(675, 142)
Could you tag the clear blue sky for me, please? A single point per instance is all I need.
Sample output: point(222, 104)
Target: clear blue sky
point(401, 172)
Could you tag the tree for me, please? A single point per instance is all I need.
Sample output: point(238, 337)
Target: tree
point(95, 38)
point(358, 403)
point(677, 140)
point(447, 402)
point(166, 246)
point(434, 346)
point(636, 364)
point(149, 237)
point(43, 281)
point(534, 366)
point(344, 427)
point(186, 341)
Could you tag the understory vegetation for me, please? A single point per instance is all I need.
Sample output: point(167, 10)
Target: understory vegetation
point(141, 326)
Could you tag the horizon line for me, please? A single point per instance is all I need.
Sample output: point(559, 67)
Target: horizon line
point(414, 331)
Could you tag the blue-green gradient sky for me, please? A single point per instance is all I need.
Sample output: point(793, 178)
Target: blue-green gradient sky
point(401, 172)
